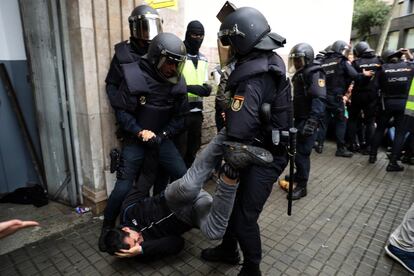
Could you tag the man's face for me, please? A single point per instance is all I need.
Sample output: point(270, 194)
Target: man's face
point(133, 238)
point(169, 68)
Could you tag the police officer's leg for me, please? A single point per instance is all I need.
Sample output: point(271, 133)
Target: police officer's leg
point(369, 121)
point(401, 124)
point(254, 189)
point(193, 136)
point(302, 162)
point(171, 160)
point(131, 159)
point(186, 188)
point(323, 128)
point(340, 129)
point(352, 124)
point(382, 122)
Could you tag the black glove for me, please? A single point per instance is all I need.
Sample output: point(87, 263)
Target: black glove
point(310, 127)
point(229, 171)
point(157, 140)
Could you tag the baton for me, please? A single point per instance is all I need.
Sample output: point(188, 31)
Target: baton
point(292, 151)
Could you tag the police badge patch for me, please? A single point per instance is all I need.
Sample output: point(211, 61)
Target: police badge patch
point(237, 103)
point(321, 82)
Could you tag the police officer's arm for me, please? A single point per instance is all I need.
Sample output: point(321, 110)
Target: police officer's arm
point(127, 121)
point(113, 80)
point(353, 74)
point(243, 119)
point(200, 90)
point(317, 91)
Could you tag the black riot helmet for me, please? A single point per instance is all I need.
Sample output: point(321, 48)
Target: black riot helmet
point(144, 23)
point(167, 54)
point(341, 47)
point(390, 55)
point(300, 56)
point(247, 28)
point(361, 48)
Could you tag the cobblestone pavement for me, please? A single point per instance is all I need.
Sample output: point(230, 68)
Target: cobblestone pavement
point(340, 228)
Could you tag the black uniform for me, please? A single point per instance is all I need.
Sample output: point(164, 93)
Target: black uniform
point(309, 106)
point(394, 81)
point(142, 100)
point(258, 79)
point(339, 75)
point(364, 98)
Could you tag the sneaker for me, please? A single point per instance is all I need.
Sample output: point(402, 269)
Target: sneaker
point(284, 185)
point(406, 259)
point(222, 255)
point(239, 155)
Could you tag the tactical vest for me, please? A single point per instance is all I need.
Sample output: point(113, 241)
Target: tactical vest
point(396, 80)
point(195, 76)
point(409, 106)
point(276, 93)
point(150, 100)
point(370, 64)
point(302, 102)
point(336, 80)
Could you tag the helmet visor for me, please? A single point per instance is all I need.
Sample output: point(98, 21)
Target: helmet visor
point(296, 62)
point(225, 34)
point(346, 52)
point(145, 27)
point(225, 53)
point(170, 66)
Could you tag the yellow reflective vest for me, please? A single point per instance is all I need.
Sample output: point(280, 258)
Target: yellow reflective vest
point(195, 76)
point(409, 106)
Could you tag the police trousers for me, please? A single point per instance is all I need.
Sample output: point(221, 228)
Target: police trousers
point(304, 147)
point(132, 156)
point(255, 187)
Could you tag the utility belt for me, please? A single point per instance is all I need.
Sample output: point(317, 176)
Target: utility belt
point(276, 142)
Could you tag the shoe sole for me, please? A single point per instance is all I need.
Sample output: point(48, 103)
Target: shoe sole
point(397, 259)
point(259, 156)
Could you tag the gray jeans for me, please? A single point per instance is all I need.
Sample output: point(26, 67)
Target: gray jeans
point(193, 205)
point(403, 236)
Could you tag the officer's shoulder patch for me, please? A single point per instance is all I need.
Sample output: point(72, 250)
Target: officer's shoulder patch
point(321, 82)
point(237, 103)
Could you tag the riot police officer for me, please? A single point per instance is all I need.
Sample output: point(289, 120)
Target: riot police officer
point(309, 96)
point(258, 83)
point(364, 95)
point(150, 105)
point(339, 74)
point(394, 80)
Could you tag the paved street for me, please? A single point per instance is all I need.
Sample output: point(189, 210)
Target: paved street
point(340, 228)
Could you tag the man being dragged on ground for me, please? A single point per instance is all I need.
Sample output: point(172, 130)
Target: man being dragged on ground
point(152, 226)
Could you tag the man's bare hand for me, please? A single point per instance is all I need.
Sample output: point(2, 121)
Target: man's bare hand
point(127, 253)
point(367, 73)
point(11, 226)
point(146, 135)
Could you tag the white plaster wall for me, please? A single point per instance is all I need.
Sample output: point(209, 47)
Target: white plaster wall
point(11, 34)
point(317, 22)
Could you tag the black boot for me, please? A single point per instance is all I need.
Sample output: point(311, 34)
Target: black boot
point(240, 156)
point(393, 165)
point(249, 269)
point(343, 152)
point(107, 225)
point(298, 192)
point(319, 148)
point(221, 254)
point(407, 159)
point(372, 158)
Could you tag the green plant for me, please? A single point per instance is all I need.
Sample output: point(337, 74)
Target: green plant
point(369, 14)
